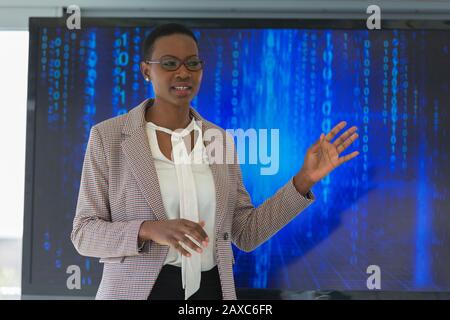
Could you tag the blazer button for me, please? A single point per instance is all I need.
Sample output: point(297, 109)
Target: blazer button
point(225, 236)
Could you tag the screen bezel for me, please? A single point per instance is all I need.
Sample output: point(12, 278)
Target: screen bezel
point(28, 288)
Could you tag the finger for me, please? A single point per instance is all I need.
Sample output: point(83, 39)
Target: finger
point(319, 140)
point(344, 136)
point(194, 233)
point(322, 138)
point(201, 234)
point(330, 136)
point(347, 143)
point(185, 246)
point(198, 228)
point(190, 244)
point(177, 246)
point(348, 157)
point(316, 145)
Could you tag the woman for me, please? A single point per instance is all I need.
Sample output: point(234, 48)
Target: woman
point(161, 222)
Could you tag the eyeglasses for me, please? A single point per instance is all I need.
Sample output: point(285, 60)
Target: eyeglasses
point(170, 63)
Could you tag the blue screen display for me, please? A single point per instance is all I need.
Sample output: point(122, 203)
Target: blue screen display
point(388, 207)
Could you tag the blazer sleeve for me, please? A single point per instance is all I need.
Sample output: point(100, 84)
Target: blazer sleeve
point(93, 233)
point(253, 226)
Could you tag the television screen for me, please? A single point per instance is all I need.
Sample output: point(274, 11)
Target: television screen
point(293, 80)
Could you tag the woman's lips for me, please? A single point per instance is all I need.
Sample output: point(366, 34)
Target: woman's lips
point(181, 91)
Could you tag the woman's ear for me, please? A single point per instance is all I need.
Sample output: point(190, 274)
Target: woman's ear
point(145, 71)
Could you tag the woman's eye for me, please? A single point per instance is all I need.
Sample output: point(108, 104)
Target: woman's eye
point(193, 63)
point(170, 63)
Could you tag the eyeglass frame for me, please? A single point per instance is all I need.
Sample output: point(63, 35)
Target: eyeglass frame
point(182, 62)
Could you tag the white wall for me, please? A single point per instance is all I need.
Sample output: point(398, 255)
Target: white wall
point(13, 99)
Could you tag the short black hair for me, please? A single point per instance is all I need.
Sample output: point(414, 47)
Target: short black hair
point(166, 29)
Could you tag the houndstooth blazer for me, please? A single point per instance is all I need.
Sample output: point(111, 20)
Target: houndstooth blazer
point(119, 190)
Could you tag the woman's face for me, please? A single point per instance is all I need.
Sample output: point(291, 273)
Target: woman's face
point(167, 84)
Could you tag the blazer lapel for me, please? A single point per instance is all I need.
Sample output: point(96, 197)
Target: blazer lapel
point(139, 156)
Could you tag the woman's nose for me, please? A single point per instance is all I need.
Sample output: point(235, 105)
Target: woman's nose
point(183, 72)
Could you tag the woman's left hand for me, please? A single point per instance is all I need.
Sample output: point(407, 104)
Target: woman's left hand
point(323, 156)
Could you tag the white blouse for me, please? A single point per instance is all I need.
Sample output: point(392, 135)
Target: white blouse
point(169, 182)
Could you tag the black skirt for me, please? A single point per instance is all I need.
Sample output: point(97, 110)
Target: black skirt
point(168, 285)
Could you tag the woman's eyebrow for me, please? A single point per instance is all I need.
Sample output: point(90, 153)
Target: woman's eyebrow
point(168, 55)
